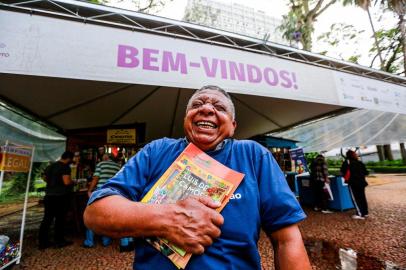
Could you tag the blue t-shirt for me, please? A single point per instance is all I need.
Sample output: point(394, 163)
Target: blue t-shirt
point(263, 199)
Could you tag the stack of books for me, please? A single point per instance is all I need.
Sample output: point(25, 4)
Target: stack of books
point(193, 173)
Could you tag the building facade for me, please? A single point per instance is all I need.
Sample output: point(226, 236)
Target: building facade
point(234, 18)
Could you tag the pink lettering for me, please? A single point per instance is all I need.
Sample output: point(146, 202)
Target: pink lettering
point(168, 63)
point(273, 80)
point(254, 74)
point(127, 56)
point(223, 68)
point(237, 71)
point(148, 59)
point(287, 82)
point(210, 70)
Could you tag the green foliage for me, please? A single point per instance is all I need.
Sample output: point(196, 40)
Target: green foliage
point(390, 43)
point(334, 162)
point(342, 34)
point(310, 157)
point(386, 169)
point(334, 171)
point(18, 184)
point(390, 163)
point(202, 15)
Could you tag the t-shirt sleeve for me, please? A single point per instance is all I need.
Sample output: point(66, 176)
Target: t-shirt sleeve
point(130, 181)
point(279, 206)
point(66, 170)
point(97, 170)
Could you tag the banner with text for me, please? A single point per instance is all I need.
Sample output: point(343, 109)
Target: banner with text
point(15, 158)
point(37, 45)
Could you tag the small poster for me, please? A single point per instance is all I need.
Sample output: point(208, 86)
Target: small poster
point(15, 158)
point(299, 164)
point(121, 136)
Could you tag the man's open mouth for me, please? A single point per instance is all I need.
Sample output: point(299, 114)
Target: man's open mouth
point(205, 124)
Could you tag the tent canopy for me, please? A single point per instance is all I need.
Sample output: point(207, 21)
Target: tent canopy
point(16, 127)
point(356, 128)
point(73, 104)
point(78, 65)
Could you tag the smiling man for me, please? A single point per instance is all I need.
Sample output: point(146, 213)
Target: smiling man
point(219, 241)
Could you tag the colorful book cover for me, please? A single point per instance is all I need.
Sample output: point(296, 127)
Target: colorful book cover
point(192, 173)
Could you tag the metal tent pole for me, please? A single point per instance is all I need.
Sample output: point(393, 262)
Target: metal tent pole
point(27, 189)
point(2, 171)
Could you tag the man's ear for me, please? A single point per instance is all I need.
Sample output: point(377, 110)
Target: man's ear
point(234, 123)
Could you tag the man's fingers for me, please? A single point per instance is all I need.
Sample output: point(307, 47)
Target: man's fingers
point(214, 232)
point(208, 201)
point(206, 241)
point(217, 219)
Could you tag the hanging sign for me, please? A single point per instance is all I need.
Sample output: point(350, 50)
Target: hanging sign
point(299, 164)
point(121, 136)
point(15, 158)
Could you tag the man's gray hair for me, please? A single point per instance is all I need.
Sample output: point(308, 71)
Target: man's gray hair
point(214, 88)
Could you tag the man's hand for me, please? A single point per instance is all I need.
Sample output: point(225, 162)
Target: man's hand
point(193, 224)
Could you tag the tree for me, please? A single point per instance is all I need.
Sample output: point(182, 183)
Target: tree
point(399, 7)
point(391, 47)
point(201, 14)
point(365, 4)
point(298, 24)
point(342, 34)
point(145, 6)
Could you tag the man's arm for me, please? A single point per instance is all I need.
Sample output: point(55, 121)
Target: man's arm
point(191, 224)
point(92, 185)
point(67, 180)
point(289, 250)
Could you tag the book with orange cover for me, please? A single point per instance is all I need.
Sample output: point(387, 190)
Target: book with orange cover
point(192, 173)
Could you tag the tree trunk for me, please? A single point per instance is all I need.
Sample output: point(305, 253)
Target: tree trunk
point(388, 152)
point(403, 152)
point(381, 155)
point(376, 39)
point(403, 35)
point(307, 35)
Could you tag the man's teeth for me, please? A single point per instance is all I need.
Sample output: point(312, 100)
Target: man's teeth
point(206, 124)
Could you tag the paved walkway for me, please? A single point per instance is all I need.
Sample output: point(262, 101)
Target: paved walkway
point(380, 238)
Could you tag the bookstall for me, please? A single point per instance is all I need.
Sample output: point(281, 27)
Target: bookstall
point(23, 141)
point(151, 65)
point(15, 158)
point(121, 67)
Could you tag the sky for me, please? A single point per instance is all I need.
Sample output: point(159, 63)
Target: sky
point(277, 8)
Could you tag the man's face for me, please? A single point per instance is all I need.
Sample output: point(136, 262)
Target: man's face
point(208, 119)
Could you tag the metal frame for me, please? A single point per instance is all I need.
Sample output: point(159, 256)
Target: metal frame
point(135, 21)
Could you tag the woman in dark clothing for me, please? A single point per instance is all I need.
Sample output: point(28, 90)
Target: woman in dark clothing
point(356, 183)
point(319, 176)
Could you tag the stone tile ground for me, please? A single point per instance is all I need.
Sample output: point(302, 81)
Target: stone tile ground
point(380, 238)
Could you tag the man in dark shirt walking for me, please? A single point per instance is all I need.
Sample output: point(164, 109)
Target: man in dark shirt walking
point(56, 201)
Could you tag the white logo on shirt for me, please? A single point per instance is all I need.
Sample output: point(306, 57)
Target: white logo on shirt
point(236, 196)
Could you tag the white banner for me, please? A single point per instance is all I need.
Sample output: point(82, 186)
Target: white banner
point(36, 45)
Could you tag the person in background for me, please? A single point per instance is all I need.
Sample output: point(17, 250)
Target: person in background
point(100, 153)
point(319, 176)
point(76, 167)
point(356, 183)
point(57, 198)
point(105, 170)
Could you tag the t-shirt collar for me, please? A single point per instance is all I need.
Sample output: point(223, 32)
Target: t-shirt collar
point(218, 147)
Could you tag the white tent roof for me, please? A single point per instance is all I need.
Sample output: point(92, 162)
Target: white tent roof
point(356, 128)
point(73, 104)
point(16, 127)
point(77, 65)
